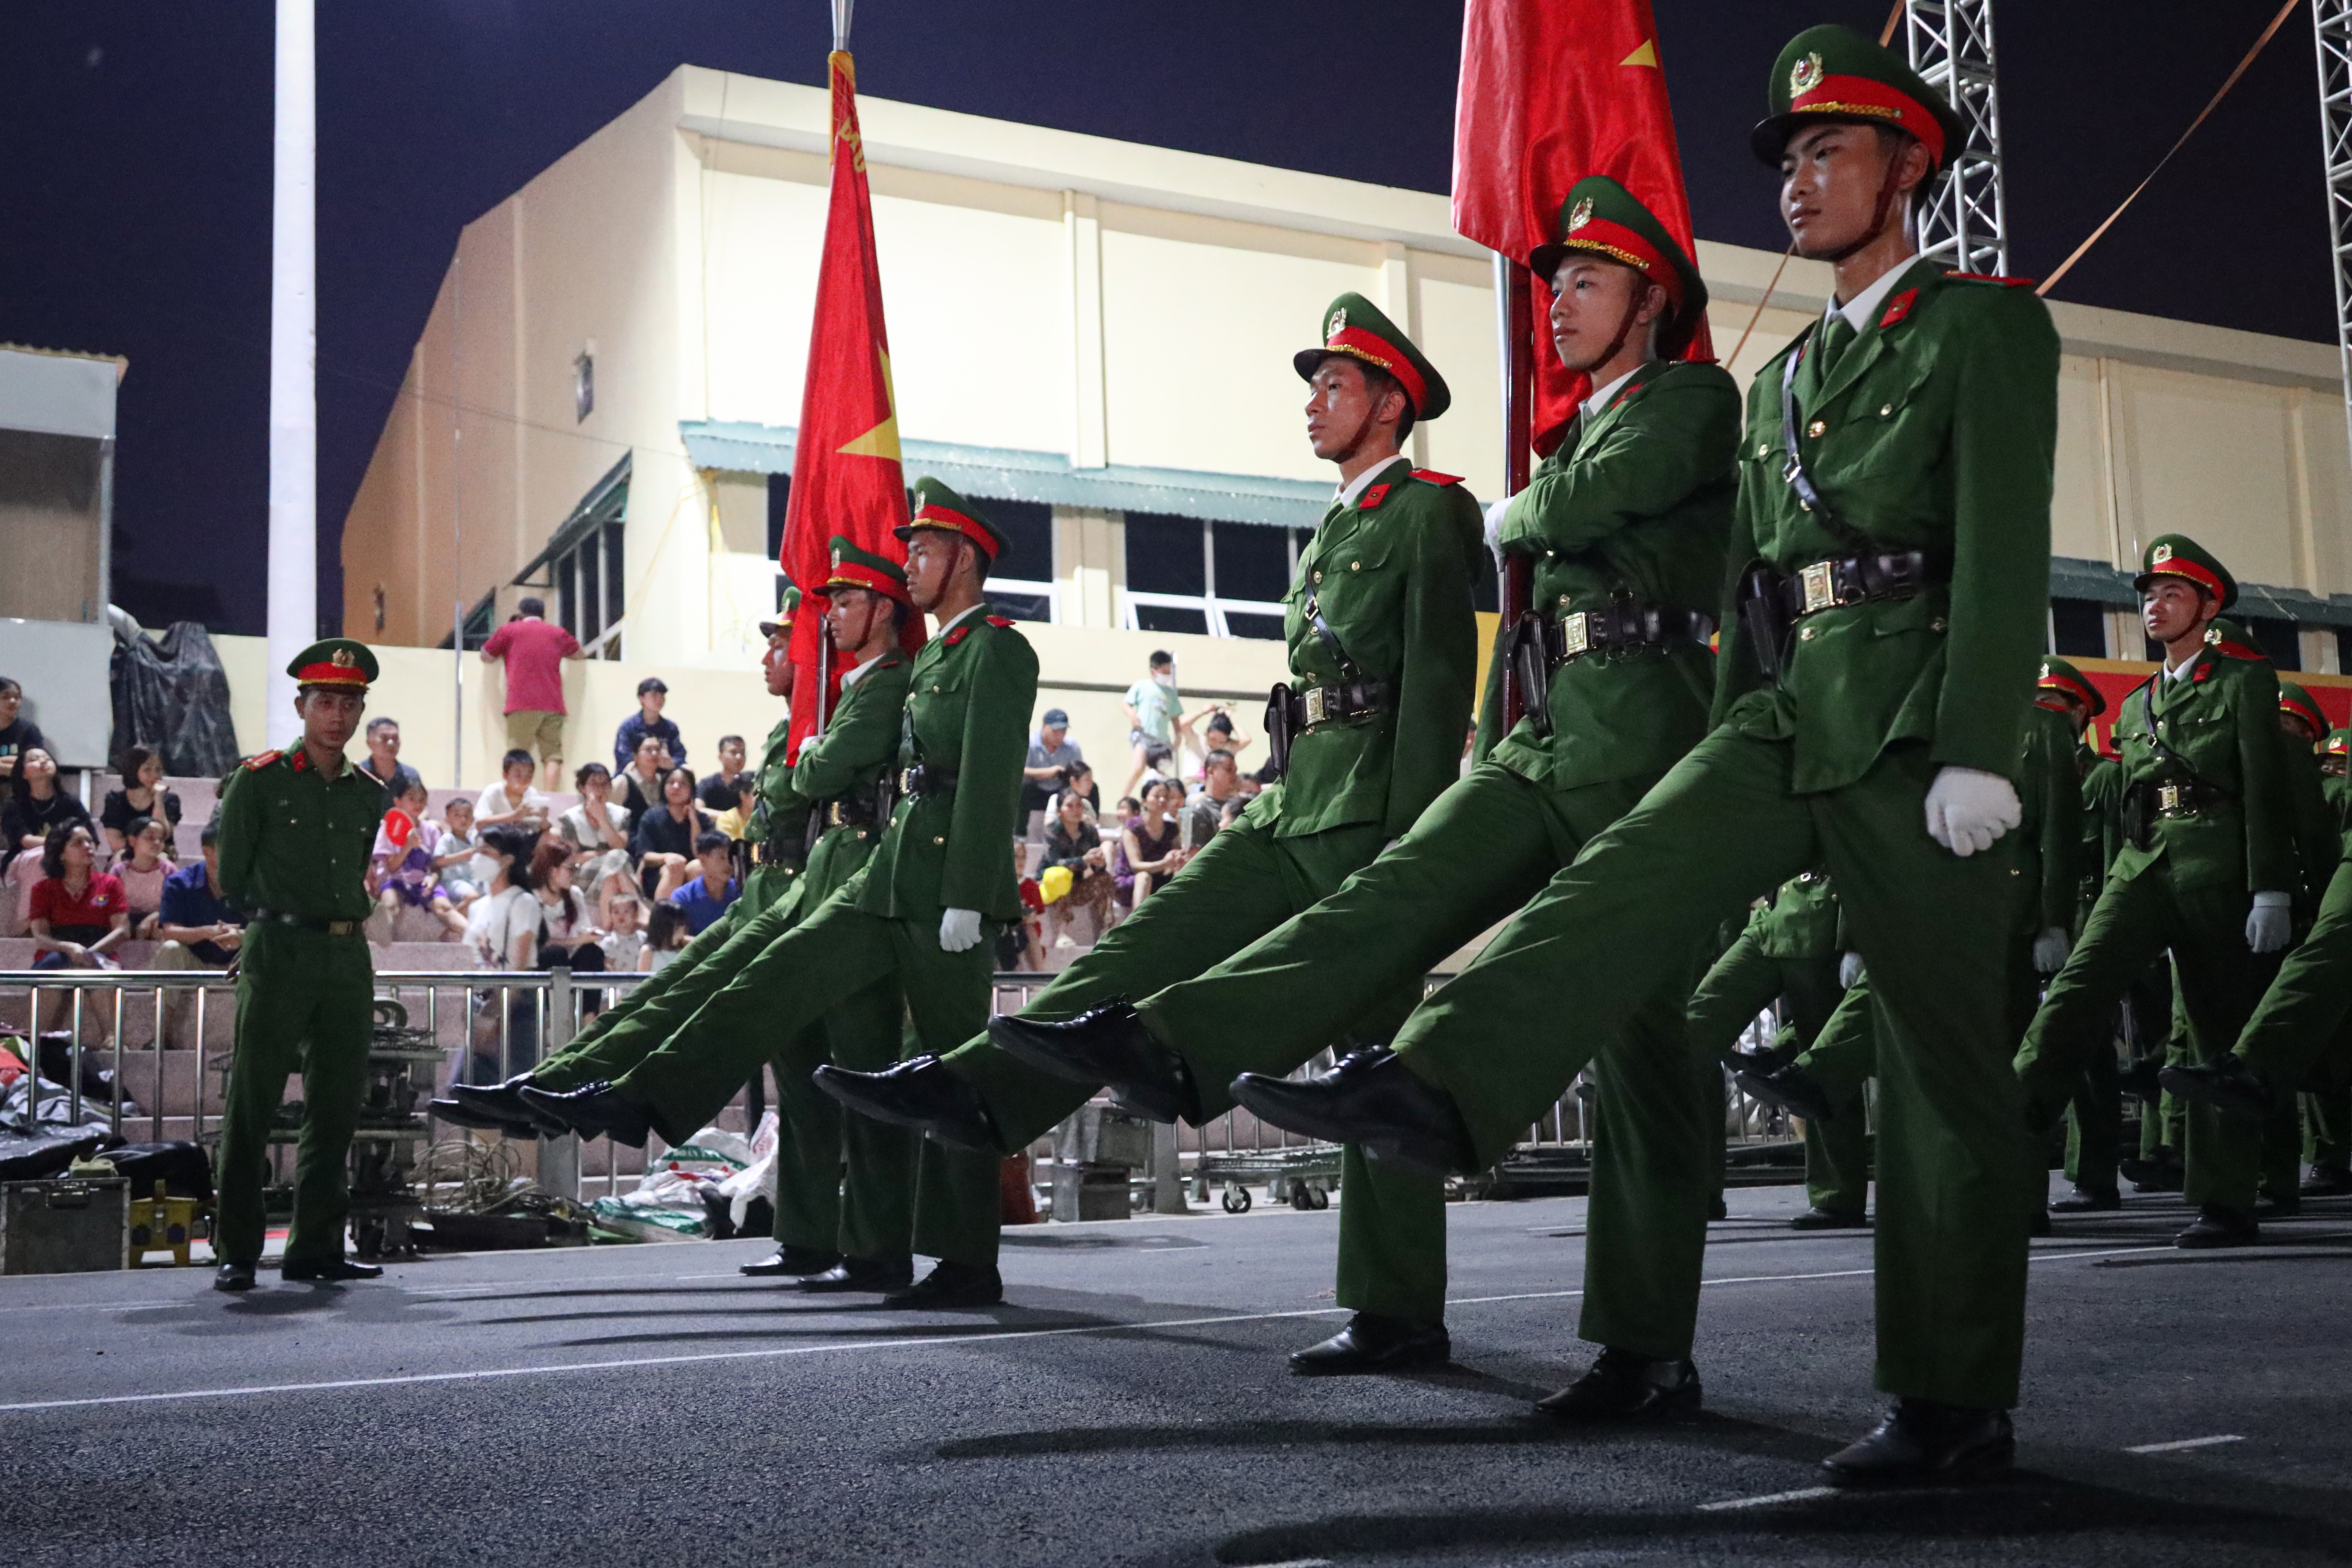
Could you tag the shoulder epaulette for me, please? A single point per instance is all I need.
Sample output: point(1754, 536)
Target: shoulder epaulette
point(999, 620)
point(262, 759)
point(1431, 476)
point(1991, 278)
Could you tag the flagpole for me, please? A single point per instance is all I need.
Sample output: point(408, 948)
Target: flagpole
point(293, 569)
point(1515, 318)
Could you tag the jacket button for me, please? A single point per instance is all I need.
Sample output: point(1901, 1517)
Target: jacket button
point(1818, 427)
point(1563, 601)
point(1887, 411)
point(1763, 448)
point(1936, 625)
point(1319, 577)
point(1355, 566)
point(939, 840)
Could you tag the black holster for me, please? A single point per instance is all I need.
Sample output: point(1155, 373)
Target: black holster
point(1280, 713)
point(1764, 620)
point(1531, 666)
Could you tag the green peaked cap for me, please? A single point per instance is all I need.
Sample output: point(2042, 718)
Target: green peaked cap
point(938, 507)
point(2057, 675)
point(790, 605)
point(335, 661)
point(1354, 326)
point(2294, 700)
point(855, 568)
point(2178, 555)
point(2339, 743)
point(1834, 73)
point(1603, 217)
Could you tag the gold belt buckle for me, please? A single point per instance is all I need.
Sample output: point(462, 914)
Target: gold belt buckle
point(341, 927)
point(1821, 586)
point(907, 781)
point(1575, 633)
point(1315, 708)
point(2168, 797)
point(833, 813)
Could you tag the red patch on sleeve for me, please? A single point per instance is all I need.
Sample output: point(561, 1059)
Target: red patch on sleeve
point(1372, 497)
point(1431, 476)
point(998, 621)
point(1899, 308)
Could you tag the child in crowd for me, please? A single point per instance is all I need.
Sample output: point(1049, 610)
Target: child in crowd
point(145, 862)
point(513, 799)
point(665, 936)
point(462, 876)
point(410, 850)
point(623, 940)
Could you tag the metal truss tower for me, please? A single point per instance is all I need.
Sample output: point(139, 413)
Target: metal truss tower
point(1966, 225)
point(2331, 23)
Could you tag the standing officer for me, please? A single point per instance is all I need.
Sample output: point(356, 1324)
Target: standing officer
point(2207, 869)
point(1894, 527)
point(1382, 646)
point(295, 831)
point(914, 914)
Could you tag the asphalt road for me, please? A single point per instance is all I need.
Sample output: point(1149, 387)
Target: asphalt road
point(1129, 1406)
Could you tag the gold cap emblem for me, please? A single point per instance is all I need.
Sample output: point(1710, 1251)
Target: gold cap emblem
point(1579, 214)
point(1338, 321)
point(343, 657)
point(2159, 555)
point(1806, 75)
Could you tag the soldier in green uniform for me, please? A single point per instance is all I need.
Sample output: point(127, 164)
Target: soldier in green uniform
point(2327, 1112)
point(1893, 532)
point(1794, 953)
point(296, 829)
point(2207, 869)
point(2093, 1112)
point(914, 915)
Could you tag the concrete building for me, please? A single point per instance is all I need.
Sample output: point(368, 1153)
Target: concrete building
point(1093, 338)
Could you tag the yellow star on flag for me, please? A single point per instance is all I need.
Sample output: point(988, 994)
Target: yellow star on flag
point(1647, 55)
point(882, 441)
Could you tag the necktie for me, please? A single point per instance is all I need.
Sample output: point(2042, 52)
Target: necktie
point(1835, 339)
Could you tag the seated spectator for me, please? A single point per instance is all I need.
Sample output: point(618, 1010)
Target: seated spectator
point(195, 928)
point(665, 938)
point(641, 782)
point(1073, 843)
point(384, 763)
point(406, 865)
point(663, 840)
point(513, 800)
point(503, 928)
point(738, 815)
point(719, 791)
point(1052, 756)
point(1082, 781)
point(34, 809)
point(465, 871)
point(708, 895)
point(1128, 809)
point(1205, 812)
point(1149, 851)
point(142, 794)
point(568, 932)
point(623, 939)
point(18, 735)
point(77, 913)
point(598, 833)
point(534, 652)
point(652, 693)
point(141, 870)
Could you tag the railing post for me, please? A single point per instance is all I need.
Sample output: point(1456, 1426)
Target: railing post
point(559, 1158)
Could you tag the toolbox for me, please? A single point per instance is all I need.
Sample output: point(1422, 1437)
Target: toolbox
point(65, 1226)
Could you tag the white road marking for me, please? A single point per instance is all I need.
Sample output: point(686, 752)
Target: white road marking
point(1802, 1494)
point(1295, 1562)
point(2186, 1443)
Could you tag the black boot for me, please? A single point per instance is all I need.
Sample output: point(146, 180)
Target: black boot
point(597, 1110)
point(1371, 1342)
point(1107, 1045)
point(1790, 1088)
point(875, 1275)
point(793, 1263)
point(233, 1277)
point(950, 1286)
point(1819, 1218)
point(330, 1271)
point(2155, 1175)
point(504, 1101)
point(920, 1093)
point(2327, 1182)
point(1920, 1440)
point(2227, 1084)
point(2087, 1200)
point(1369, 1098)
point(2281, 1206)
point(2219, 1227)
point(1625, 1385)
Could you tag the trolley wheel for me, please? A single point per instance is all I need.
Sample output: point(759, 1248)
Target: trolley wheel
point(1317, 1198)
point(1302, 1196)
point(1237, 1199)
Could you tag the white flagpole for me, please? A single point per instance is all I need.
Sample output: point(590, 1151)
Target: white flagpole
point(293, 571)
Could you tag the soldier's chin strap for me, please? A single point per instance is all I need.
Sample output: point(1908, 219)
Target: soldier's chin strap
point(1888, 188)
point(1625, 325)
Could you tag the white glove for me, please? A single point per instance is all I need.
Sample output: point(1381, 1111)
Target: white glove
point(959, 930)
point(2269, 923)
point(2049, 951)
point(1968, 808)
point(1849, 969)
point(1495, 510)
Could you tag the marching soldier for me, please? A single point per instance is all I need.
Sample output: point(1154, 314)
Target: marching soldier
point(2327, 1143)
point(296, 829)
point(1893, 532)
point(2093, 1112)
point(914, 916)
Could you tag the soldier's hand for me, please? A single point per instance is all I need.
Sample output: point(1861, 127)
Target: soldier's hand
point(2049, 951)
point(1495, 510)
point(1969, 808)
point(959, 930)
point(1849, 971)
point(2269, 923)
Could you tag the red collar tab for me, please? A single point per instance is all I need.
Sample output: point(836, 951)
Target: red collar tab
point(1431, 476)
point(999, 621)
point(2203, 672)
point(301, 761)
point(1618, 243)
point(1864, 99)
point(2005, 282)
point(262, 759)
point(1372, 497)
point(1373, 349)
point(958, 635)
point(933, 515)
point(1899, 308)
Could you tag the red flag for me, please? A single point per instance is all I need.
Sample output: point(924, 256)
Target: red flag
point(846, 474)
point(1553, 91)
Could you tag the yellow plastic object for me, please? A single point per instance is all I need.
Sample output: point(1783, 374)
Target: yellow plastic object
point(162, 1223)
point(1054, 884)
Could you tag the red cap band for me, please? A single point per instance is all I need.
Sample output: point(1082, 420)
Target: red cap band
point(2181, 566)
point(932, 515)
point(330, 675)
point(2051, 681)
point(1867, 99)
point(1357, 344)
point(1622, 244)
point(2306, 712)
point(857, 574)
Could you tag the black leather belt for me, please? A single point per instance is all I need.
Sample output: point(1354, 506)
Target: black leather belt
point(310, 922)
point(925, 779)
point(851, 810)
point(1859, 579)
point(1621, 625)
point(2179, 799)
point(769, 852)
point(1314, 705)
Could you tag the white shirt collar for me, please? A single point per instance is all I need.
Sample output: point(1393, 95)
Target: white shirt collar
point(1347, 494)
point(1859, 310)
point(1599, 399)
point(947, 626)
point(850, 677)
point(2176, 672)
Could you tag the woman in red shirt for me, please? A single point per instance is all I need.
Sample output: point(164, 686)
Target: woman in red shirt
point(78, 912)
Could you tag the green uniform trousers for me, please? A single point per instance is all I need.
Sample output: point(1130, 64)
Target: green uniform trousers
point(838, 956)
point(1244, 883)
point(2300, 1035)
point(1843, 1058)
point(2220, 983)
point(1743, 982)
point(305, 1003)
point(1612, 930)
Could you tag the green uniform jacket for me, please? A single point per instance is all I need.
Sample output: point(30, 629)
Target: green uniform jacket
point(966, 713)
point(2102, 828)
point(858, 748)
point(2050, 836)
point(2220, 718)
point(294, 842)
point(782, 815)
point(2318, 842)
point(1393, 577)
point(1938, 428)
point(1802, 919)
point(1637, 502)
point(2336, 790)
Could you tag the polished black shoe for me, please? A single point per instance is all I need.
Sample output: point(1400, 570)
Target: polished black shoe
point(333, 1270)
point(1621, 1386)
point(1920, 1440)
point(950, 1286)
point(1107, 1045)
point(1830, 1219)
point(1369, 1098)
point(2158, 1175)
point(2284, 1206)
point(504, 1101)
point(2219, 1227)
point(874, 1276)
point(457, 1113)
point(791, 1263)
point(2227, 1085)
point(2142, 1080)
point(598, 1110)
point(2087, 1200)
point(2327, 1182)
point(233, 1277)
point(1790, 1088)
point(1373, 1343)
point(920, 1093)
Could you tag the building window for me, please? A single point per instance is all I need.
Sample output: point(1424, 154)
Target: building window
point(1024, 590)
point(2078, 629)
point(2278, 641)
point(1212, 579)
point(587, 578)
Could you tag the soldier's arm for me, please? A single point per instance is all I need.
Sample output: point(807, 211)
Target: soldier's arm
point(2262, 769)
point(862, 735)
point(240, 835)
point(2318, 845)
point(1676, 436)
point(1440, 656)
point(2062, 826)
point(2004, 443)
point(1737, 672)
point(987, 774)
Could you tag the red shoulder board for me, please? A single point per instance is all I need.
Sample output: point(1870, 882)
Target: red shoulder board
point(1431, 476)
point(262, 759)
point(958, 635)
point(1992, 278)
point(1374, 497)
point(1899, 308)
point(999, 621)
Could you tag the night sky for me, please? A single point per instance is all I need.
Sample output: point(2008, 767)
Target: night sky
point(137, 176)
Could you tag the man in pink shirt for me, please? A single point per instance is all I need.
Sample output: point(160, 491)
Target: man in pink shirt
point(534, 652)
